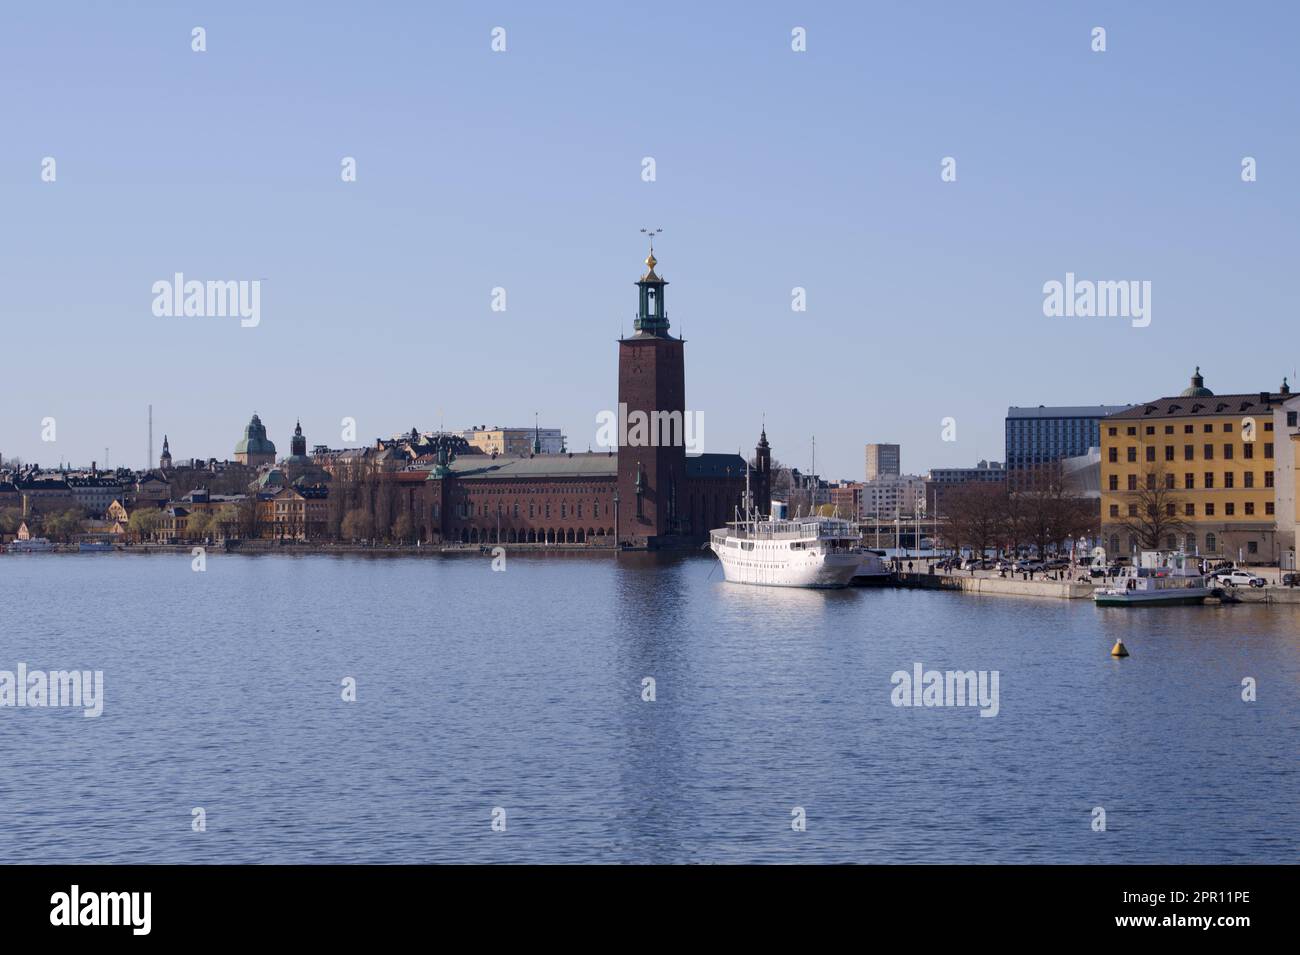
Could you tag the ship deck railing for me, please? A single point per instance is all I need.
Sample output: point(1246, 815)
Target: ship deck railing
point(819, 529)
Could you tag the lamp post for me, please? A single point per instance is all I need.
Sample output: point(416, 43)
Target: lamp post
point(617, 525)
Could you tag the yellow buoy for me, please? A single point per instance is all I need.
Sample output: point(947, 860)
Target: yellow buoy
point(1118, 650)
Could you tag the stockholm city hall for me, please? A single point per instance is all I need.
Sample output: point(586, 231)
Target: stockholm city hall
point(649, 496)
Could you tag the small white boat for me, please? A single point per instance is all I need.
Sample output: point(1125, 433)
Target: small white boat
point(798, 552)
point(1160, 580)
point(34, 545)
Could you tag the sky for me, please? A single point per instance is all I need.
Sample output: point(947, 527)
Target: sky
point(522, 169)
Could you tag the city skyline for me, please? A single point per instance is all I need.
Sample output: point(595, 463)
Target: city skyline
point(366, 440)
point(674, 434)
point(376, 293)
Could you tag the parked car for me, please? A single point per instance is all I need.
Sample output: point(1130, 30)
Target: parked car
point(1239, 578)
point(1291, 580)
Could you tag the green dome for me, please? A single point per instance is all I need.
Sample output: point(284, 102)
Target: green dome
point(255, 440)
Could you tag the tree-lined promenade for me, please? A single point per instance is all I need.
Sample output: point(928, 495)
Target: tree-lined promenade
point(1044, 514)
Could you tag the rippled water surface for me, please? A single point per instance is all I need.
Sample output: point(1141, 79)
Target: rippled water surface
point(522, 690)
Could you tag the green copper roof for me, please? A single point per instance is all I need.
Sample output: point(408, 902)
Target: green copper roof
point(255, 440)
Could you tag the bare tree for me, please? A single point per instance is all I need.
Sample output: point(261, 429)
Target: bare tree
point(976, 515)
point(358, 524)
point(1047, 513)
point(250, 517)
point(1155, 510)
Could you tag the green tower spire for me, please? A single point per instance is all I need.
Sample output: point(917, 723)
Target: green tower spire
point(652, 314)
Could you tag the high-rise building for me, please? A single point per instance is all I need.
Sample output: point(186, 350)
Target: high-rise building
point(883, 460)
point(1044, 435)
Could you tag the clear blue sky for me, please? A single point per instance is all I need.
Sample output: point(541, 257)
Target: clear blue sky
point(522, 170)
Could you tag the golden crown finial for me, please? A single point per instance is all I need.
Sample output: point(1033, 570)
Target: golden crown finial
point(650, 259)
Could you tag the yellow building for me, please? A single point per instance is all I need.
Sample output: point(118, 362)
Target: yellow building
point(296, 512)
point(515, 442)
point(1197, 471)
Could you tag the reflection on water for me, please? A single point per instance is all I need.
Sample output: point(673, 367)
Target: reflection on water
point(523, 690)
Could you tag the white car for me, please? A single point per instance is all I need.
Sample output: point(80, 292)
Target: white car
point(1239, 577)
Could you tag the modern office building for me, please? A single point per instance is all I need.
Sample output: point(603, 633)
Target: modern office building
point(897, 495)
point(1044, 435)
point(942, 480)
point(883, 460)
point(983, 471)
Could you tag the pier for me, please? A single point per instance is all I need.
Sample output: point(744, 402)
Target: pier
point(1001, 586)
point(1059, 589)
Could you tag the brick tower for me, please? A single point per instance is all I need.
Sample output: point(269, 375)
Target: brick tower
point(652, 447)
point(761, 477)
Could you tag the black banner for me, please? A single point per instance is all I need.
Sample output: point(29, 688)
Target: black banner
point(337, 903)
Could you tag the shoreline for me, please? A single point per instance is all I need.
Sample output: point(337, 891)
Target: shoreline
point(274, 547)
point(960, 582)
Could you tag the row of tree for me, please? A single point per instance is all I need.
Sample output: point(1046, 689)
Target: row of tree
point(1042, 511)
point(1045, 512)
point(62, 525)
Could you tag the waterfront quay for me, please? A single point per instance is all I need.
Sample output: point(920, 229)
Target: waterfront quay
point(992, 583)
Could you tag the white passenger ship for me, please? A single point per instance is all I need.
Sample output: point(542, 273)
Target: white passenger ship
point(1160, 579)
point(777, 551)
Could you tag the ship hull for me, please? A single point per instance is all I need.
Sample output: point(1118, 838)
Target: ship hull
point(30, 547)
point(1149, 600)
point(805, 569)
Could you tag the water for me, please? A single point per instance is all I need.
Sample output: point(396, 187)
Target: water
point(522, 690)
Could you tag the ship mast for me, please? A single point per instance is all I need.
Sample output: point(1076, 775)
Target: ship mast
point(749, 506)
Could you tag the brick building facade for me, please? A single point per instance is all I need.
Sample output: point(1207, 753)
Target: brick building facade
point(646, 495)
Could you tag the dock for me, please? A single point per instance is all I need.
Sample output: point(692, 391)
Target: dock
point(1058, 589)
point(1001, 586)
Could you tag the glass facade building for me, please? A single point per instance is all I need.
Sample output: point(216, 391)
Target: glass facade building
point(1043, 435)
